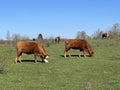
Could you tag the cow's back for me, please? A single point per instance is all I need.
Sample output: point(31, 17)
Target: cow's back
point(75, 43)
point(26, 47)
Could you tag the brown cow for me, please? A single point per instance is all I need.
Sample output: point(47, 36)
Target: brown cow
point(30, 48)
point(80, 44)
point(57, 40)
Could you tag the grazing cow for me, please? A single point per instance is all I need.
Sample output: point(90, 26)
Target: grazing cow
point(30, 48)
point(57, 40)
point(104, 35)
point(79, 44)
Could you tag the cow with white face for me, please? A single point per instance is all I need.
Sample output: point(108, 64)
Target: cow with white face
point(30, 48)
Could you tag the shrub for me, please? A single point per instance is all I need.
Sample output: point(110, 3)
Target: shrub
point(2, 65)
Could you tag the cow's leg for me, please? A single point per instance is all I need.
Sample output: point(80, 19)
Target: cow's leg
point(80, 54)
point(65, 54)
point(57, 41)
point(69, 53)
point(84, 53)
point(17, 57)
point(20, 58)
point(35, 57)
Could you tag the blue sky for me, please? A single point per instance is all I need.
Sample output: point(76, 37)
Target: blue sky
point(57, 17)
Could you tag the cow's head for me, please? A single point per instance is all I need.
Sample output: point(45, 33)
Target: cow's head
point(42, 53)
point(46, 59)
point(90, 52)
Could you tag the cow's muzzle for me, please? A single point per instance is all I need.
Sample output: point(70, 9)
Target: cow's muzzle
point(46, 59)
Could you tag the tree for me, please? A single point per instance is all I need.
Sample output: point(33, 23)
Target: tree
point(8, 35)
point(40, 37)
point(114, 31)
point(81, 35)
point(25, 38)
point(16, 37)
point(97, 34)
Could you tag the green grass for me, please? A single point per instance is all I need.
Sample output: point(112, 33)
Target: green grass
point(101, 72)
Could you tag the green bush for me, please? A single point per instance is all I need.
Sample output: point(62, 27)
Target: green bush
point(2, 65)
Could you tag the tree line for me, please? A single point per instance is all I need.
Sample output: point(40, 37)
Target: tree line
point(113, 32)
point(16, 37)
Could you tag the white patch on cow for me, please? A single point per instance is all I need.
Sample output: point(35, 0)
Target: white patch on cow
point(46, 57)
point(45, 60)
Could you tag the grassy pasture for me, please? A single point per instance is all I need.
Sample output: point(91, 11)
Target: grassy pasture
point(101, 72)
